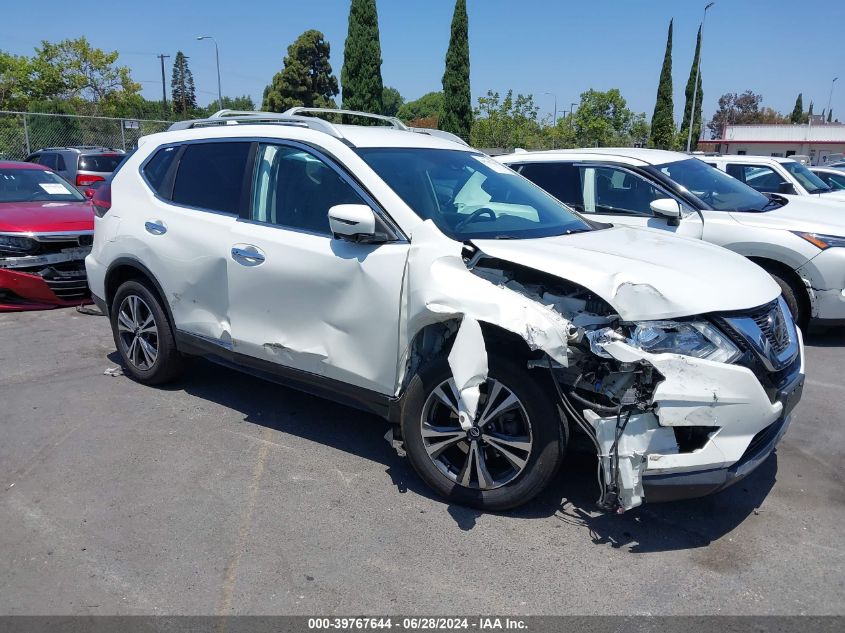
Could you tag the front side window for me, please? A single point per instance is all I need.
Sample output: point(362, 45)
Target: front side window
point(716, 189)
point(469, 195)
point(35, 185)
point(763, 179)
point(808, 180)
point(210, 176)
point(295, 189)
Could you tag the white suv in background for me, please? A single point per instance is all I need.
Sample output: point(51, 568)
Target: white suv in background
point(799, 240)
point(414, 277)
point(770, 174)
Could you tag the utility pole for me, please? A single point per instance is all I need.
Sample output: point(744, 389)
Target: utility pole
point(830, 97)
point(162, 57)
point(695, 89)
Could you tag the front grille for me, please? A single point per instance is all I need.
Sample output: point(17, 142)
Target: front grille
point(770, 320)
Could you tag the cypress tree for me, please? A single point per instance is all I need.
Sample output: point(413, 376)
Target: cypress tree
point(663, 123)
point(457, 105)
point(798, 111)
point(182, 94)
point(306, 79)
point(360, 76)
point(699, 97)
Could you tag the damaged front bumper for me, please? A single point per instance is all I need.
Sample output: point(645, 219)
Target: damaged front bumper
point(44, 282)
point(738, 421)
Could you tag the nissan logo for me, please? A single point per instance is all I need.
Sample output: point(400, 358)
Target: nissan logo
point(778, 326)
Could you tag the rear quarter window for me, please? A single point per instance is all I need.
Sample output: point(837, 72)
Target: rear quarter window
point(157, 168)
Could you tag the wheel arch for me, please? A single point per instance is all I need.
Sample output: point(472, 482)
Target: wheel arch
point(125, 269)
point(773, 266)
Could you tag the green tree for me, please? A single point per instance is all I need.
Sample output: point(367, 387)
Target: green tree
point(742, 109)
point(391, 101)
point(604, 120)
point(457, 100)
point(507, 123)
point(306, 79)
point(663, 122)
point(243, 102)
point(798, 111)
point(361, 72)
point(183, 97)
point(699, 97)
point(73, 68)
point(426, 107)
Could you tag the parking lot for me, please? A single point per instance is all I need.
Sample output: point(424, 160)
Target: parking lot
point(225, 494)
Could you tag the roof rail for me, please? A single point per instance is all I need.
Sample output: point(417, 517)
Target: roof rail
point(394, 122)
point(439, 134)
point(237, 117)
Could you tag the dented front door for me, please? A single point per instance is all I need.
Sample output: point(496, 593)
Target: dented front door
point(300, 298)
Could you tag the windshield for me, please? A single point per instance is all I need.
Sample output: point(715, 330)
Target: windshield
point(808, 179)
point(35, 185)
point(470, 195)
point(714, 187)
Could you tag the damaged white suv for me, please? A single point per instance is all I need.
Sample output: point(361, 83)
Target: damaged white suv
point(407, 274)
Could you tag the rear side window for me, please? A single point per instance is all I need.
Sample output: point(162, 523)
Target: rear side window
point(211, 175)
point(157, 167)
point(561, 180)
point(99, 162)
point(48, 159)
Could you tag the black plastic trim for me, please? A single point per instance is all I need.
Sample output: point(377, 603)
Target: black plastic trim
point(360, 398)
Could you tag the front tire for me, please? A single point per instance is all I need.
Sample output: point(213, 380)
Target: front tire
point(143, 336)
point(510, 455)
point(795, 299)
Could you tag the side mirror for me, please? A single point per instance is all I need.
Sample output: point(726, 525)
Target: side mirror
point(668, 208)
point(353, 222)
point(786, 187)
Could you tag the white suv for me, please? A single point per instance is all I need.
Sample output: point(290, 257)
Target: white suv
point(770, 174)
point(412, 276)
point(799, 240)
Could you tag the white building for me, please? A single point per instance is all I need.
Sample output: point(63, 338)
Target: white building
point(815, 141)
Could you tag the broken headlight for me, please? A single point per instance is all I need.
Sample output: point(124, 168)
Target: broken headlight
point(690, 338)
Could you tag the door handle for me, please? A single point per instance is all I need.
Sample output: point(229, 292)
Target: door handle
point(247, 255)
point(156, 227)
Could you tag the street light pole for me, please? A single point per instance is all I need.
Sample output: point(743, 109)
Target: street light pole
point(217, 58)
point(830, 97)
point(697, 73)
point(554, 116)
point(571, 111)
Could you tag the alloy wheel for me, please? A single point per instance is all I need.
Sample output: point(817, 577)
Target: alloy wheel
point(138, 332)
point(490, 454)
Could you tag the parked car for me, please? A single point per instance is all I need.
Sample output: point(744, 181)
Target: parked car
point(46, 230)
point(414, 277)
point(769, 174)
point(832, 177)
point(80, 165)
point(799, 240)
point(840, 165)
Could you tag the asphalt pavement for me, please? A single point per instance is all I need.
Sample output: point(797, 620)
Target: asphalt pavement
point(223, 494)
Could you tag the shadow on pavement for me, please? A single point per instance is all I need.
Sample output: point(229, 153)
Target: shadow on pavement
point(571, 498)
point(819, 336)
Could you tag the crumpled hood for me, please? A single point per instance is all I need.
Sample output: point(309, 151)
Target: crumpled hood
point(645, 274)
point(812, 214)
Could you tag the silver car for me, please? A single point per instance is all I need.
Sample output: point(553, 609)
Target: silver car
point(82, 165)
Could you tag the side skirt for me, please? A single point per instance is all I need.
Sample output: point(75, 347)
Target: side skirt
point(367, 400)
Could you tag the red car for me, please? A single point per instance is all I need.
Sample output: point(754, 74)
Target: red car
point(46, 230)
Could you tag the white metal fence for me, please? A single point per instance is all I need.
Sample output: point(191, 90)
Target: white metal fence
point(22, 133)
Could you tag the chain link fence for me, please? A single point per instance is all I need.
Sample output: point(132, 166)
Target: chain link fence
point(22, 133)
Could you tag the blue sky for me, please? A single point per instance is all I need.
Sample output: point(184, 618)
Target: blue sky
point(775, 47)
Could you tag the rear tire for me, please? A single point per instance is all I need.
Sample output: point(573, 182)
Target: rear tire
point(530, 432)
point(143, 336)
